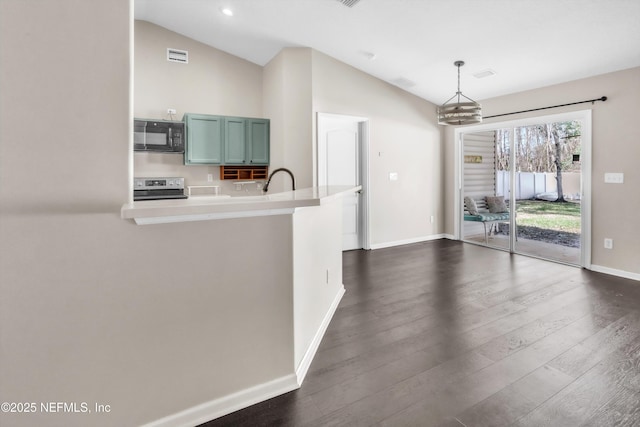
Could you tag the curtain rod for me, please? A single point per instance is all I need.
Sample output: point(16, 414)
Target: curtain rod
point(604, 98)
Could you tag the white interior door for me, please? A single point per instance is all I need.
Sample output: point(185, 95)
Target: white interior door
point(339, 164)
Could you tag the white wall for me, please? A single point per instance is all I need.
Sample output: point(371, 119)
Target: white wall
point(147, 319)
point(404, 138)
point(213, 82)
point(615, 149)
point(288, 100)
point(317, 272)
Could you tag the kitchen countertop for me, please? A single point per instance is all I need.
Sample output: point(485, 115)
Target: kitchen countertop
point(198, 208)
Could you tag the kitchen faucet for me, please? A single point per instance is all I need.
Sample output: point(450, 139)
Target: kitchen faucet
point(293, 181)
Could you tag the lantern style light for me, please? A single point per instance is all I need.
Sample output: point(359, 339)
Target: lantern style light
point(462, 112)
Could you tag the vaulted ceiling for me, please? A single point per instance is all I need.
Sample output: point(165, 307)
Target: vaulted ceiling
point(414, 43)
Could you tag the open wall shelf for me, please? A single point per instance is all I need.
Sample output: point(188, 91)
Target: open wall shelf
point(244, 172)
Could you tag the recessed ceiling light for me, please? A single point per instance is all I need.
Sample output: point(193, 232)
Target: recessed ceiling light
point(226, 11)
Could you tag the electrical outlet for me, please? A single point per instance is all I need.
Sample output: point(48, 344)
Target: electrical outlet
point(432, 219)
point(171, 111)
point(608, 243)
point(209, 177)
point(393, 176)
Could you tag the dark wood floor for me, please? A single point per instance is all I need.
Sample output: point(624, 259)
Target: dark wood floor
point(448, 334)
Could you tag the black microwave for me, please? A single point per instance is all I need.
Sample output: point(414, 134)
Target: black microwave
point(158, 136)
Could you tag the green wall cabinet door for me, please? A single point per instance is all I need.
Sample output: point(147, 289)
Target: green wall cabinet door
point(235, 151)
point(221, 140)
point(258, 141)
point(205, 135)
point(246, 141)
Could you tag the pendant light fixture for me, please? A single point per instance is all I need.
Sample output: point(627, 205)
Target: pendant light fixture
point(459, 113)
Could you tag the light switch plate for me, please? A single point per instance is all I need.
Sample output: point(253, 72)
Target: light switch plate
point(614, 178)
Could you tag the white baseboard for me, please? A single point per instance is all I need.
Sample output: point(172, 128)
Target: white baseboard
point(225, 405)
point(614, 272)
point(305, 363)
point(407, 241)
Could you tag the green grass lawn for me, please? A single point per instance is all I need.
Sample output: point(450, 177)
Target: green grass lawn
point(549, 215)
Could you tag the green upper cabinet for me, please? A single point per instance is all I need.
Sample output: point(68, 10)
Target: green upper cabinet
point(221, 140)
point(258, 141)
point(235, 149)
point(246, 141)
point(205, 135)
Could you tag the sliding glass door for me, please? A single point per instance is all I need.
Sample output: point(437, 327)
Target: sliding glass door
point(547, 190)
point(483, 182)
point(522, 187)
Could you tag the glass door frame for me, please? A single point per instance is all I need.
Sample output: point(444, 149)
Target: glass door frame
point(584, 116)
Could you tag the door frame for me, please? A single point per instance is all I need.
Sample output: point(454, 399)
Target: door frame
point(586, 170)
point(363, 158)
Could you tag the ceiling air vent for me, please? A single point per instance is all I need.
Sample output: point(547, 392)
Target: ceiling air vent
point(484, 73)
point(349, 3)
point(403, 82)
point(175, 55)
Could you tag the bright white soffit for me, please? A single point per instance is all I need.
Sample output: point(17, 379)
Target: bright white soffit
point(529, 43)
